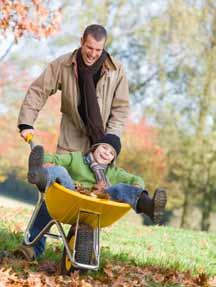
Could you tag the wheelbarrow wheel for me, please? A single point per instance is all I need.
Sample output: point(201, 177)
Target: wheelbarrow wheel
point(84, 247)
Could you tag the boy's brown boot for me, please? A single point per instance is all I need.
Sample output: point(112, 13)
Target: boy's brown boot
point(154, 207)
point(36, 173)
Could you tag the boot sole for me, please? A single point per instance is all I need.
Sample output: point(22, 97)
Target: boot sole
point(160, 201)
point(35, 163)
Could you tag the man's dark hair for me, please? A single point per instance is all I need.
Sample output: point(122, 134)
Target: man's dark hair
point(98, 32)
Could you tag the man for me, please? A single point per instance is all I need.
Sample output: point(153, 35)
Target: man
point(94, 94)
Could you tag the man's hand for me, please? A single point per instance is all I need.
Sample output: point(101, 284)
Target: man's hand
point(27, 132)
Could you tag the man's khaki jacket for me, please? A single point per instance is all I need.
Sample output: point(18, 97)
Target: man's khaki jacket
point(61, 74)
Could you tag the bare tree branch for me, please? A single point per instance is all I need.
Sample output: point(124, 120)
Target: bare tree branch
point(135, 88)
point(7, 51)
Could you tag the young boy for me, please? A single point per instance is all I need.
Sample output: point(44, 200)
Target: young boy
point(93, 170)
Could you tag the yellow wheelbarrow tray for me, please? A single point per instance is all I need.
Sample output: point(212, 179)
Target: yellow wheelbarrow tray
point(67, 206)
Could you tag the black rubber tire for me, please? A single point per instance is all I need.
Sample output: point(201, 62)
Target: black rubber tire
point(84, 248)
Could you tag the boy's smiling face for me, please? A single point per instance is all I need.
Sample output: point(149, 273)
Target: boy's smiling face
point(104, 154)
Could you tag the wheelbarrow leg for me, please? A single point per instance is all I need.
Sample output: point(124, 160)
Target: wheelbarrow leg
point(43, 231)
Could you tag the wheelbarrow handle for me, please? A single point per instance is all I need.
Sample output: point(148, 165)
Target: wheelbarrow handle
point(29, 140)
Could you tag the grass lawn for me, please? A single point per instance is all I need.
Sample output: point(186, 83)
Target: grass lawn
point(129, 244)
point(166, 247)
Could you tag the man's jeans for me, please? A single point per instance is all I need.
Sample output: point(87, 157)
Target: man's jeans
point(119, 192)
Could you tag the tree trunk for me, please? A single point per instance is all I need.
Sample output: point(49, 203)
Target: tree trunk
point(186, 219)
point(206, 210)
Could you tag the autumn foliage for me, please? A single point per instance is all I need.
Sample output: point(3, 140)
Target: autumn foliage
point(142, 154)
point(34, 17)
point(14, 151)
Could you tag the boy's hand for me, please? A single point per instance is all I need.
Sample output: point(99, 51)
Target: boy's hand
point(137, 185)
point(47, 164)
point(83, 190)
point(99, 190)
point(100, 186)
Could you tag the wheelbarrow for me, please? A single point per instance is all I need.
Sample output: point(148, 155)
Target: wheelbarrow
point(85, 214)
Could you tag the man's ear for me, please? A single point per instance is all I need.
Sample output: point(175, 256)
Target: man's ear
point(81, 41)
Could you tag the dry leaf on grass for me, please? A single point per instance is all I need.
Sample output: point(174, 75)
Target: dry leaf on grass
point(115, 275)
point(48, 267)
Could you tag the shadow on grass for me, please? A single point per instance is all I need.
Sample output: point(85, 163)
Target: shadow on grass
point(15, 188)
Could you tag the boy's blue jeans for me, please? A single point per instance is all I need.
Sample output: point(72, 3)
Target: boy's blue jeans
point(120, 192)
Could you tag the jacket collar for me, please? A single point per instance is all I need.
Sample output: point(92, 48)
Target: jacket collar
point(108, 65)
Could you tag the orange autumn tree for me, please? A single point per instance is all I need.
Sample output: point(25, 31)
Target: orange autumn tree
point(13, 150)
point(12, 81)
point(34, 17)
point(141, 153)
point(20, 19)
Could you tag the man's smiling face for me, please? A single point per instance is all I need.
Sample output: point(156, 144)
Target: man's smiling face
point(91, 49)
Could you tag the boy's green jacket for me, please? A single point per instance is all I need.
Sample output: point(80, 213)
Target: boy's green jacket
point(81, 173)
